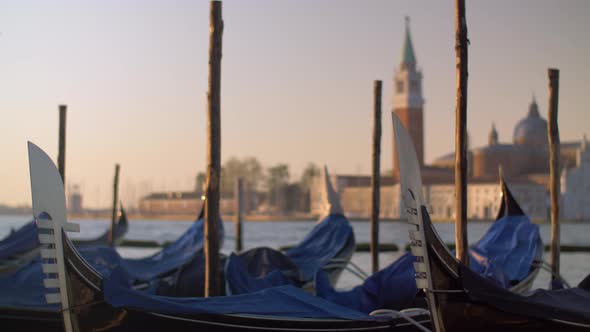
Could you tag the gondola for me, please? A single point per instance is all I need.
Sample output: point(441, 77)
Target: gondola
point(155, 274)
point(121, 228)
point(327, 247)
point(21, 246)
point(461, 300)
point(510, 253)
point(186, 248)
point(22, 292)
point(92, 302)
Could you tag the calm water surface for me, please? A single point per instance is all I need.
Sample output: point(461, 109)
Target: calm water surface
point(574, 266)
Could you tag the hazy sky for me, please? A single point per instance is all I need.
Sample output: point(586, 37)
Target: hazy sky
point(296, 82)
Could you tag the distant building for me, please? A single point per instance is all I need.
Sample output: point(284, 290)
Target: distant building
point(575, 187)
point(408, 102)
point(483, 197)
point(75, 200)
point(177, 202)
point(171, 203)
point(527, 156)
point(525, 163)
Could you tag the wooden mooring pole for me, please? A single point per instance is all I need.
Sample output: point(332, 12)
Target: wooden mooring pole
point(461, 43)
point(238, 206)
point(115, 200)
point(212, 278)
point(61, 156)
point(375, 185)
point(553, 133)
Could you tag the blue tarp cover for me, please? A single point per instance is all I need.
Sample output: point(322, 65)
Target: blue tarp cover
point(240, 281)
point(284, 301)
point(503, 255)
point(20, 241)
point(320, 245)
point(24, 287)
point(392, 287)
point(180, 252)
point(297, 266)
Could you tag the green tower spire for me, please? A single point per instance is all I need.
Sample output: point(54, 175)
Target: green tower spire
point(408, 56)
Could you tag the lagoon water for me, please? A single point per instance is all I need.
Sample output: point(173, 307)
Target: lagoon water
point(574, 266)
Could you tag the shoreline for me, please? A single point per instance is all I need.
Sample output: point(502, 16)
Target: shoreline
point(286, 218)
point(269, 218)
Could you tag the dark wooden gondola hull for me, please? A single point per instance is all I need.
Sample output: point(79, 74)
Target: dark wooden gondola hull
point(459, 312)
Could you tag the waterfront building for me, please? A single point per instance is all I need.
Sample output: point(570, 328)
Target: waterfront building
point(525, 164)
point(575, 186)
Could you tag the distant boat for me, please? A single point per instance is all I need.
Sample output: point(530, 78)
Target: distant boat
point(459, 299)
point(121, 228)
point(21, 246)
point(328, 247)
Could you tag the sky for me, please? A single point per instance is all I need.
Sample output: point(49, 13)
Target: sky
point(297, 80)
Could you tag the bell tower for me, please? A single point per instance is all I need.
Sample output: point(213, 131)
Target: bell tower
point(407, 98)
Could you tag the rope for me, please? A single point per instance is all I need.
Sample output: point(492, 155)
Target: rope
point(547, 267)
point(81, 305)
point(339, 262)
point(403, 314)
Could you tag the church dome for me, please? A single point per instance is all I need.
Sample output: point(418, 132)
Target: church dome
point(532, 130)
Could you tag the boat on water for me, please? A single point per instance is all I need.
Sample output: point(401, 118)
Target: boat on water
point(90, 301)
point(327, 247)
point(148, 271)
point(24, 288)
point(22, 245)
point(509, 254)
point(460, 299)
point(121, 228)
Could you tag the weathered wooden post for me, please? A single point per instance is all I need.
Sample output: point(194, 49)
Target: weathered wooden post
point(461, 43)
point(61, 156)
point(238, 205)
point(553, 133)
point(212, 280)
point(375, 177)
point(115, 200)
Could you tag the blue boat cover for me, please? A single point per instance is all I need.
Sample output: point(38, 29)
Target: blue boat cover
point(321, 245)
point(180, 252)
point(393, 287)
point(240, 281)
point(503, 255)
point(24, 287)
point(20, 241)
point(284, 301)
point(26, 238)
point(189, 280)
point(261, 268)
point(507, 251)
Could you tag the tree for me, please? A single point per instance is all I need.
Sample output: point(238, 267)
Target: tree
point(277, 176)
point(276, 182)
point(309, 173)
point(254, 172)
point(249, 169)
point(200, 182)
